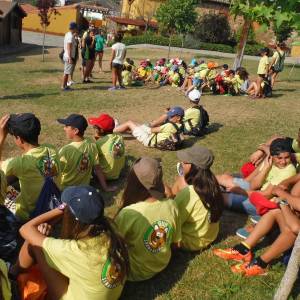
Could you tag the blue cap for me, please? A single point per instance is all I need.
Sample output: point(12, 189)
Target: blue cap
point(76, 121)
point(85, 203)
point(73, 25)
point(175, 111)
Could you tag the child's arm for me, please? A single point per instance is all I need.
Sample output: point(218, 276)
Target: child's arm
point(285, 184)
point(293, 201)
point(161, 120)
point(155, 130)
point(102, 180)
point(257, 181)
point(113, 55)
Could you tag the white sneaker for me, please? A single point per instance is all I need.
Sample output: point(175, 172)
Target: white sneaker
point(69, 83)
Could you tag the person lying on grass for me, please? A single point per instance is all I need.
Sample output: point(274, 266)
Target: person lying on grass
point(89, 261)
point(148, 221)
point(287, 219)
point(151, 136)
point(273, 170)
point(198, 197)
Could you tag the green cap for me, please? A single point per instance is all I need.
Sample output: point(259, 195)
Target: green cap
point(197, 155)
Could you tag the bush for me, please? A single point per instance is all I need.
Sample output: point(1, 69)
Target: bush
point(213, 28)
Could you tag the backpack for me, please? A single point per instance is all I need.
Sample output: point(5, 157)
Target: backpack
point(172, 143)
point(8, 234)
point(267, 88)
point(49, 197)
point(278, 67)
point(200, 128)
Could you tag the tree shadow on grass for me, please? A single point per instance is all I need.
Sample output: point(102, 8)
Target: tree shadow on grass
point(277, 95)
point(47, 71)
point(26, 96)
point(162, 282)
point(94, 87)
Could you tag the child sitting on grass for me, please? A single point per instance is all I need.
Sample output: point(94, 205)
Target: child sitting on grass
point(288, 222)
point(151, 137)
point(111, 147)
point(127, 75)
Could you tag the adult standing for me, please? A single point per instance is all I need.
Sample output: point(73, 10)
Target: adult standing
point(99, 46)
point(83, 46)
point(277, 62)
point(116, 63)
point(89, 55)
point(69, 55)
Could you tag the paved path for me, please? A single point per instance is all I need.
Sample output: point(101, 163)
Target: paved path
point(58, 41)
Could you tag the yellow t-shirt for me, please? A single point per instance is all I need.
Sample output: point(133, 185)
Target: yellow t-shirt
point(276, 175)
point(295, 146)
point(3, 186)
point(276, 55)
point(237, 83)
point(126, 78)
point(111, 149)
point(204, 73)
point(196, 229)
point(263, 65)
point(31, 168)
point(192, 114)
point(149, 229)
point(77, 160)
point(85, 262)
point(166, 131)
point(4, 282)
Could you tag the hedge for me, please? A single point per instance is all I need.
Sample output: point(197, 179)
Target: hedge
point(176, 42)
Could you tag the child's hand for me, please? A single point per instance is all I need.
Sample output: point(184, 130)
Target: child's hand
point(45, 229)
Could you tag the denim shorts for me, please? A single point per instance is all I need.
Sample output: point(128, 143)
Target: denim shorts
point(242, 183)
point(241, 203)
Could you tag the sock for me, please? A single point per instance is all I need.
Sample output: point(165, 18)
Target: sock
point(258, 261)
point(243, 248)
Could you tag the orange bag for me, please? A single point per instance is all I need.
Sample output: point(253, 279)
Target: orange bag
point(32, 285)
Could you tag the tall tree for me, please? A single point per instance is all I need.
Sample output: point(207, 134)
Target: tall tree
point(177, 16)
point(46, 10)
point(268, 13)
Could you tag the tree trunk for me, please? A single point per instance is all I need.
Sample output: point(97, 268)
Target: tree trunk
point(169, 49)
point(44, 36)
point(241, 46)
point(290, 274)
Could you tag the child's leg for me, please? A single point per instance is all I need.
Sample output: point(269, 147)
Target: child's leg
point(100, 54)
point(119, 75)
point(159, 121)
point(127, 126)
point(225, 180)
point(114, 76)
point(258, 91)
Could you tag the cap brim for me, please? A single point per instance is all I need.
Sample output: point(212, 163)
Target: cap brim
point(62, 121)
point(184, 156)
point(93, 121)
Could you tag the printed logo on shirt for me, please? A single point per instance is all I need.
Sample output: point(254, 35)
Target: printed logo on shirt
point(157, 235)
point(84, 162)
point(47, 166)
point(111, 275)
point(117, 149)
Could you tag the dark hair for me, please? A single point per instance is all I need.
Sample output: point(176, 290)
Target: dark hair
point(134, 191)
point(28, 133)
point(206, 186)
point(225, 66)
point(128, 68)
point(280, 145)
point(117, 252)
point(230, 72)
point(243, 73)
point(80, 131)
point(118, 37)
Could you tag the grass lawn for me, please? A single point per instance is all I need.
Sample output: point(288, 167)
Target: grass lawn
point(238, 126)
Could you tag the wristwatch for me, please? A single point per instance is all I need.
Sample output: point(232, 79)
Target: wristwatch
point(283, 202)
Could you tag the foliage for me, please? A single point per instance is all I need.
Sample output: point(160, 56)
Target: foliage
point(177, 16)
point(46, 10)
point(213, 28)
point(283, 32)
point(191, 43)
point(251, 35)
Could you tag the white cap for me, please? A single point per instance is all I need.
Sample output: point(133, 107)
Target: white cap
point(194, 95)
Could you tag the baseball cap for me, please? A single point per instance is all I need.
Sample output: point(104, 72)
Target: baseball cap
point(197, 155)
point(212, 64)
point(104, 121)
point(175, 111)
point(85, 203)
point(149, 172)
point(194, 95)
point(73, 25)
point(76, 121)
point(25, 124)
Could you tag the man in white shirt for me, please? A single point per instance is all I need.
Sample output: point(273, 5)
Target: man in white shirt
point(69, 54)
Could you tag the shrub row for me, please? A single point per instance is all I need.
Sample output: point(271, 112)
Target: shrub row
point(176, 42)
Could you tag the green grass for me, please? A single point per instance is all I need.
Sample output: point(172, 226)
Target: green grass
point(28, 85)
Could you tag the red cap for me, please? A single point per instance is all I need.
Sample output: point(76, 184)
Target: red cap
point(104, 121)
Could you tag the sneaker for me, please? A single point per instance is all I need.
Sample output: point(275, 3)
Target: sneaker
point(231, 254)
point(69, 83)
point(255, 219)
point(121, 87)
point(248, 269)
point(245, 231)
point(113, 88)
point(66, 89)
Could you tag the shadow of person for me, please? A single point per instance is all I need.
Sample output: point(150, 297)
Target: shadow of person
point(25, 96)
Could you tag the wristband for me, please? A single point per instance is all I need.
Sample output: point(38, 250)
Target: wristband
point(283, 202)
point(62, 206)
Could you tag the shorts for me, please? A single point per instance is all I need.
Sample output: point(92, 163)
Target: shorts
point(143, 134)
point(241, 203)
point(242, 183)
point(117, 66)
point(99, 51)
point(263, 76)
point(83, 63)
point(68, 68)
point(275, 71)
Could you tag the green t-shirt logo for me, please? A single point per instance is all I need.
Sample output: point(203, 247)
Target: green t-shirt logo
point(157, 236)
point(117, 149)
point(111, 275)
point(47, 166)
point(84, 162)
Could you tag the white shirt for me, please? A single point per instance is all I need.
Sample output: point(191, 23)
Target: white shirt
point(119, 53)
point(69, 39)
